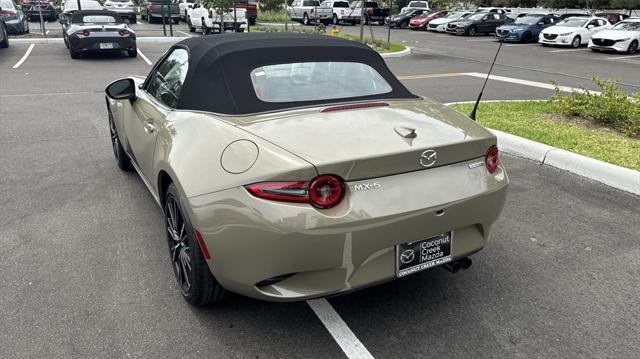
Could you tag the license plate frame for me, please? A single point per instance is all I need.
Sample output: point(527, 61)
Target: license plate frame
point(107, 46)
point(417, 256)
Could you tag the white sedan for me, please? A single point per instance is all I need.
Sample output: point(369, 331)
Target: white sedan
point(440, 24)
point(573, 31)
point(622, 37)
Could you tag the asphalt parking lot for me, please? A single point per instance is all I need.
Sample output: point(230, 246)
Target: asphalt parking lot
point(85, 270)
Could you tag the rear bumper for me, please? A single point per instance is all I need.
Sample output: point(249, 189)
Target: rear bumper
point(46, 13)
point(93, 44)
point(350, 246)
point(14, 26)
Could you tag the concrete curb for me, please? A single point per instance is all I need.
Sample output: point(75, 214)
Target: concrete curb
point(405, 52)
point(618, 177)
point(141, 40)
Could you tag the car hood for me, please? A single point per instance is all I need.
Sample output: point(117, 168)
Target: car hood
point(616, 34)
point(420, 19)
point(374, 142)
point(560, 29)
point(441, 21)
point(461, 22)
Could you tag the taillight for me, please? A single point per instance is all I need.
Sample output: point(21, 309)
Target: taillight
point(370, 11)
point(491, 158)
point(66, 13)
point(152, 8)
point(210, 14)
point(82, 33)
point(311, 11)
point(123, 32)
point(324, 191)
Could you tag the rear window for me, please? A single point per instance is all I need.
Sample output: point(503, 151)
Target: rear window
point(98, 19)
point(311, 3)
point(316, 81)
point(340, 4)
point(418, 4)
point(86, 5)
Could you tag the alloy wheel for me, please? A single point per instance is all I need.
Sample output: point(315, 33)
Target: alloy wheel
point(633, 47)
point(576, 42)
point(179, 249)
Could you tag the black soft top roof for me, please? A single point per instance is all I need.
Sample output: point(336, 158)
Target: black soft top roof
point(219, 81)
point(78, 16)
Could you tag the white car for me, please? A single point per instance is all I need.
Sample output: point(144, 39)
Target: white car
point(183, 5)
point(573, 31)
point(342, 11)
point(416, 5)
point(622, 37)
point(440, 24)
point(125, 8)
point(208, 20)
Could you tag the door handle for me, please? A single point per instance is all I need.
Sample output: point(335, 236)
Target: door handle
point(149, 127)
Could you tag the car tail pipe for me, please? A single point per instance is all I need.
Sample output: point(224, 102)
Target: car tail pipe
point(455, 266)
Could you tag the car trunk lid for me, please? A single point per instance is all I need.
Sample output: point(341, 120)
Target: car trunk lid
point(375, 141)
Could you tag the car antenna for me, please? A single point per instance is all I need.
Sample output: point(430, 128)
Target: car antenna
point(472, 115)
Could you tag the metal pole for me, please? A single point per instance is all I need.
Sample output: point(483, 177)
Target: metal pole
point(79, 6)
point(162, 15)
point(286, 17)
point(170, 18)
point(235, 18)
point(389, 27)
point(361, 3)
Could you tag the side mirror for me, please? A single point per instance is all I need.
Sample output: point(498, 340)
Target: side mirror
point(123, 89)
point(541, 24)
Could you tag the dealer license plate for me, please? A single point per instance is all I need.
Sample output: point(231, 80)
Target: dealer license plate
point(423, 254)
point(106, 45)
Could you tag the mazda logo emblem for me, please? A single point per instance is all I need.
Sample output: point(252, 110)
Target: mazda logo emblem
point(428, 158)
point(407, 256)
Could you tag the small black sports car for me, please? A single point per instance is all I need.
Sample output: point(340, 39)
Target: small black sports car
point(98, 31)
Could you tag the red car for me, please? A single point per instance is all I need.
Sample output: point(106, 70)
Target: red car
point(420, 22)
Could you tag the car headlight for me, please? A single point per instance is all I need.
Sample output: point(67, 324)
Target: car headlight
point(623, 40)
point(517, 30)
point(565, 34)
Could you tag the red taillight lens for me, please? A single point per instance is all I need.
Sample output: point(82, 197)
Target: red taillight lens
point(210, 14)
point(324, 191)
point(203, 245)
point(82, 33)
point(152, 8)
point(491, 159)
point(370, 11)
point(123, 32)
point(280, 191)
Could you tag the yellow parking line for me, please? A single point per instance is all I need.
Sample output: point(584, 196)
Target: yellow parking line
point(430, 76)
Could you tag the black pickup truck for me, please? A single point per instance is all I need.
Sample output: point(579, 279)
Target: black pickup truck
point(372, 13)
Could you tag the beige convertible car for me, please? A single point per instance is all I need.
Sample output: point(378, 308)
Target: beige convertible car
point(293, 166)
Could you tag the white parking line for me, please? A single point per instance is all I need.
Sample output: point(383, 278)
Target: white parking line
point(621, 57)
point(348, 342)
point(144, 57)
point(541, 85)
point(24, 57)
point(182, 32)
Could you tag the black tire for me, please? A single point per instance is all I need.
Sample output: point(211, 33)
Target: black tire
point(133, 53)
point(74, 54)
point(633, 47)
point(252, 21)
point(176, 21)
point(4, 43)
point(133, 19)
point(595, 50)
point(123, 161)
point(471, 31)
point(576, 42)
point(190, 25)
point(334, 19)
point(526, 37)
point(544, 45)
point(197, 284)
point(205, 29)
point(305, 19)
point(66, 42)
point(404, 24)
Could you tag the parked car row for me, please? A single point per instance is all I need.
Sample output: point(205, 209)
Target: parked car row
point(547, 29)
point(336, 12)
